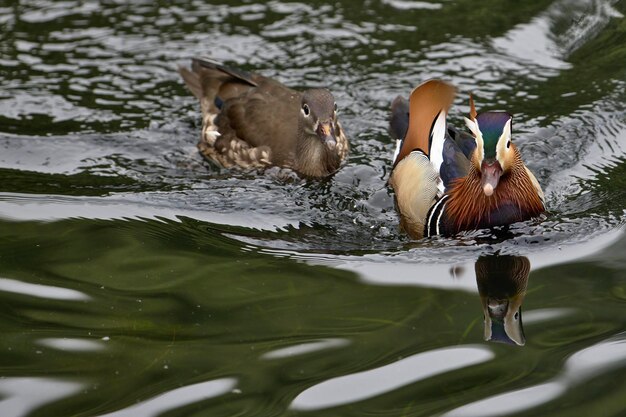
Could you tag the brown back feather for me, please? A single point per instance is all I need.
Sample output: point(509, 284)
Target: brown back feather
point(425, 103)
point(469, 208)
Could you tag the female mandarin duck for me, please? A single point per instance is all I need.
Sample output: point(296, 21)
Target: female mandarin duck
point(252, 121)
point(446, 181)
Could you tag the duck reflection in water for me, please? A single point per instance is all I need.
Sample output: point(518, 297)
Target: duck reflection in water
point(502, 281)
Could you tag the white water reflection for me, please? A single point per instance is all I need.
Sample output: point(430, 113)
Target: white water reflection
point(305, 348)
point(399, 272)
point(578, 369)
point(72, 344)
point(607, 127)
point(41, 291)
point(595, 360)
point(573, 253)
point(591, 18)
point(511, 402)
point(547, 314)
point(412, 5)
point(21, 396)
point(415, 267)
point(540, 42)
point(534, 50)
point(177, 398)
point(25, 207)
point(532, 43)
point(362, 385)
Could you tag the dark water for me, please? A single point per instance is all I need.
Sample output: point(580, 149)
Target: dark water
point(137, 279)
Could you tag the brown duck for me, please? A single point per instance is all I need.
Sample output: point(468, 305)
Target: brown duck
point(251, 121)
point(446, 181)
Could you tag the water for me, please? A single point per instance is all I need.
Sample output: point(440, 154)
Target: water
point(137, 279)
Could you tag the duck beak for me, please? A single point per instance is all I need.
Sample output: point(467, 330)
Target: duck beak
point(490, 172)
point(503, 322)
point(326, 133)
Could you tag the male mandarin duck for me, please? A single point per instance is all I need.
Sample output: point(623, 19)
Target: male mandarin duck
point(502, 281)
point(252, 121)
point(446, 181)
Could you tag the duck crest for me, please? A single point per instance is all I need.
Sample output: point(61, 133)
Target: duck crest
point(491, 125)
point(515, 199)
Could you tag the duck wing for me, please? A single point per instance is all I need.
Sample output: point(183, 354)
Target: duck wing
point(246, 116)
point(456, 154)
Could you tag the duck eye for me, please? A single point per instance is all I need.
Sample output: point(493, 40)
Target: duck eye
point(306, 110)
point(335, 106)
point(508, 144)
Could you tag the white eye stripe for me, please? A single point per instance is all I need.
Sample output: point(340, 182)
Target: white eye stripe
point(504, 140)
point(504, 144)
point(472, 125)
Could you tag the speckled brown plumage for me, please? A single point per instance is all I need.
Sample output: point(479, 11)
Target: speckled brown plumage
point(251, 121)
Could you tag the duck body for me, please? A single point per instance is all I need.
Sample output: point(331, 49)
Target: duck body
point(252, 121)
point(447, 181)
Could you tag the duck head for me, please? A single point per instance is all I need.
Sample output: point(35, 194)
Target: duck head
point(318, 152)
point(495, 154)
point(318, 116)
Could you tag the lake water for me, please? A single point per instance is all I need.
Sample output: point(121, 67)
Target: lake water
point(137, 279)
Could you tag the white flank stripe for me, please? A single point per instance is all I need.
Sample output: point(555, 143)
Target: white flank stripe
point(432, 212)
point(438, 136)
point(439, 217)
point(397, 151)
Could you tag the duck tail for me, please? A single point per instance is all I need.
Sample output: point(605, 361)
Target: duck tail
point(212, 83)
point(399, 120)
point(192, 81)
point(219, 70)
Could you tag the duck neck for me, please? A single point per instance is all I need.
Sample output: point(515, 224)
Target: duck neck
point(515, 199)
point(313, 158)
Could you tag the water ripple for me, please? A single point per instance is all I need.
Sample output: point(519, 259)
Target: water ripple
point(72, 344)
point(41, 291)
point(177, 398)
point(578, 369)
point(362, 385)
point(511, 402)
point(305, 348)
point(21, 396)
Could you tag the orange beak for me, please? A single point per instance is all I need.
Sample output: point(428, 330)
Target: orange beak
point(490, 172)
point(326, 133)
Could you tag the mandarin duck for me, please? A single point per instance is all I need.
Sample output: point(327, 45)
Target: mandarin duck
point(502, 281)
point(252, 121)
point(447, 181)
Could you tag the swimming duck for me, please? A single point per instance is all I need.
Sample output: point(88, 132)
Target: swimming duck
point(446, 181)
point(252, 121)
